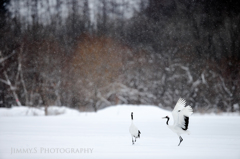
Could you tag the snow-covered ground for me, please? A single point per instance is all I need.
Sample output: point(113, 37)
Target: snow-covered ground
point(105, 135)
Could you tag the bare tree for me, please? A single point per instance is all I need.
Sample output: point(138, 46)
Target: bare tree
point(7, 79)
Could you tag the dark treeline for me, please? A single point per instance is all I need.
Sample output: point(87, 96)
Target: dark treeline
point(96, 57)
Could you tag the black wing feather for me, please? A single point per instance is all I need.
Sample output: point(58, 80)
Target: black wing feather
point(186, 122)
point(139, 133)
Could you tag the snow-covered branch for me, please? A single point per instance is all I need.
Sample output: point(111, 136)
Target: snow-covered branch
point(190, 78)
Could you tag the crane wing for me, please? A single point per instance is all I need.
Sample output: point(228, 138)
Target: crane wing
point(178, 107)
point(181, 114)
point(183, 117)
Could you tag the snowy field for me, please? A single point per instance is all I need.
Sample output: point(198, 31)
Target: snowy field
point(74, 135)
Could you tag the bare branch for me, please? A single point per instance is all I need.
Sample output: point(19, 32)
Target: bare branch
point(2, 59)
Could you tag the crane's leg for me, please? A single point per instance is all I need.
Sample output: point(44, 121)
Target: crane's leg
point(181, 139)
point(135, 139)
point(132, 140)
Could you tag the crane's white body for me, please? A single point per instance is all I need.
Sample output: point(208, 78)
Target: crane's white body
point(133, 130)
point(178, 130)
point(180, 115)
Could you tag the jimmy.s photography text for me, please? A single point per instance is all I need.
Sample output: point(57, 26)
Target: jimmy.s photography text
point(49, 150)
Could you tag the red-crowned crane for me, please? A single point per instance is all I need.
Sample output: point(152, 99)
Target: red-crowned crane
point(180, 114)
point(135, 133)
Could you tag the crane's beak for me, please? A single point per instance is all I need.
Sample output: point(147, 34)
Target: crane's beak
point(163, 117)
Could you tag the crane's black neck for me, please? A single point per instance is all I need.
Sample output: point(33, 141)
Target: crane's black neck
point(132, 116)
point(167, 120)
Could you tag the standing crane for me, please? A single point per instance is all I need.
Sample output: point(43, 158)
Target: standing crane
point(135, 133)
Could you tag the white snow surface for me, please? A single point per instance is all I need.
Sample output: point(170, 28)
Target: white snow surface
point(27, 134)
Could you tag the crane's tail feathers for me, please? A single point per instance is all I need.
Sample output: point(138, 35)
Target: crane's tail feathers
point(187, 111)
point(139, 133)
